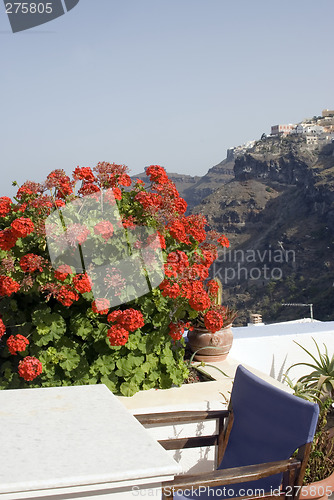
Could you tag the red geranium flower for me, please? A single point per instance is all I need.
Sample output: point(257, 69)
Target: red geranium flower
point(112, 317)
point(195, 225)
point(7, 239)
point(213, 321)
point(67, 296)
point(171, 290)
point(64, 189)
point(31, 262)
point(82, 283)
point(17, 343)
point(180, 205)
point(117, 335)
point(117, 193)
point(8, 286)
point(186, 289)
point(223, 241)
point(29, 368)
point(175, 331)
point(20, 208)
point(76, 234)
point(101, 306)
point(200, 301)
point(199, 270)
point(105, 229)
point(5, 204)
point(124, 180)
point(29, 188)
point(149, 200)
point(88, 188)
point(130, 319)
point(162, 240)
point(62, 272)
point(209, 257)
point(60, 203)
point(22, 227)
point(83, 173)
point(213, 288)
point(178, 260)
point(2, 328)
point(157, 174)
point(178, 231)
point(129, 222)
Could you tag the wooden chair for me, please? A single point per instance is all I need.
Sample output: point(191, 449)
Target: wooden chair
point(257, 436)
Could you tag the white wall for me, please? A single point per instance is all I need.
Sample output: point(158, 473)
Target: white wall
point(273, 349)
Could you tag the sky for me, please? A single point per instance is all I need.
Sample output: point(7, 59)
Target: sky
point(168, 82)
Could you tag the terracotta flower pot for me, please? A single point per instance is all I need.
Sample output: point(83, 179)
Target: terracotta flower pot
point(200, 338)
point(320, 490)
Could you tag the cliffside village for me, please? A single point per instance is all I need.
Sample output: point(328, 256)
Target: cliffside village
point(317, 131)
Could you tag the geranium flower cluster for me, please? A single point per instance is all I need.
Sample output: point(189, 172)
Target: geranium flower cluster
point(16, 343)
point(105, 229)
point(29, 368)
point(125, 321)
point(76, 334)
point(8, 286)
point(176, 330)
point(2, 328)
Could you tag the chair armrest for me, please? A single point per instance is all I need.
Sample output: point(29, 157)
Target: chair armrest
point(233, 475)
point(175, 417)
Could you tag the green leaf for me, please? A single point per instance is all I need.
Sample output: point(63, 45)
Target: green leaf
point(98, 261)
point(147, 308)
point(49, 327)
point(165, 381)
point(81, 326)
point(110, 381)
point(151, 363)
point(103, 365)
point(134, 340)
point(129, 388)
point(138, 376)
point(167, 357)
point(126, 366)
point(71, 359)
point(148, 385)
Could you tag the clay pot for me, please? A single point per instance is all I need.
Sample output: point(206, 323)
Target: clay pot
point(200, 338)
point(320, 490)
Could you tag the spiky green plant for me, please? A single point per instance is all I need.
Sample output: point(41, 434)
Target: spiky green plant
point(322, 376)
point(303, 391)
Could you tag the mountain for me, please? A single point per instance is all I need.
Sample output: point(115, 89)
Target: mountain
point(278, 212)
point(205, 186)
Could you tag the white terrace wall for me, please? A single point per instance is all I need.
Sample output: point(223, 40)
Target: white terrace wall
point(273, 349)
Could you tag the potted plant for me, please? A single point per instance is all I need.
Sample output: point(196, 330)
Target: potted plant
point(318, 386)
point(99, 277)
point(211, 336)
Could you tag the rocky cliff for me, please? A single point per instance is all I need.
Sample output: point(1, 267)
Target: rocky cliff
point(278, 213)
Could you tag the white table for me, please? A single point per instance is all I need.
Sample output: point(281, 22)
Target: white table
point(76, 442)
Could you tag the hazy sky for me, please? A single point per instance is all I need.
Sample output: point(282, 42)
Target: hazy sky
point(169, 82)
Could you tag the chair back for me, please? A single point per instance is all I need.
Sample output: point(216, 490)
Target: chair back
point(269, 425)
